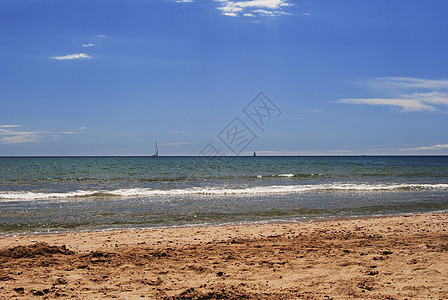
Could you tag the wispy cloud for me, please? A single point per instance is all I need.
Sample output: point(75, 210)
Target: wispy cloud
point(9, 126)
point(88, 45)
point(11, 134)
point(407, 93)
point(403, 83)
point(404, 104)
point(184, 1)
point(252, 8)
point(426, 148)
point(72, 56)
point(16, 139)
point(80, 130)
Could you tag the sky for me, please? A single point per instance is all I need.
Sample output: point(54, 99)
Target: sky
point(221, 77)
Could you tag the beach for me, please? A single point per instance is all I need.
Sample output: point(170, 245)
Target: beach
point(394, 257)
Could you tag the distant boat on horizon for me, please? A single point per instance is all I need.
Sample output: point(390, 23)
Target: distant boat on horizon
point(156, 154)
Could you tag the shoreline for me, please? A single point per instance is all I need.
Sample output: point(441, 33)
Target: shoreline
point(371, 256)
point(223, 224)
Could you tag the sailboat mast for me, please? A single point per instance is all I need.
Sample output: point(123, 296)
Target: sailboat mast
point(156, 154)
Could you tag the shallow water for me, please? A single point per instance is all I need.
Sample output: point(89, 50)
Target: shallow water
point(78, 193)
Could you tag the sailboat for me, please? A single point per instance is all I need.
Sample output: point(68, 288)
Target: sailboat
point(255, 154)
point(157, 152)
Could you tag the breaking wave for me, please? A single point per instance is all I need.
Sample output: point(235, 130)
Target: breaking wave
point(220, 191)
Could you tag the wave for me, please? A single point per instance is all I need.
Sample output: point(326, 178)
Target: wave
point(219, 191)
point(130, 178)
point(290, 175)
point(286, 175)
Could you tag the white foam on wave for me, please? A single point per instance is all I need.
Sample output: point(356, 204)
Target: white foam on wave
point(220, 191)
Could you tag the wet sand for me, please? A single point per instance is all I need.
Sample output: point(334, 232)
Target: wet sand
point(387, 258)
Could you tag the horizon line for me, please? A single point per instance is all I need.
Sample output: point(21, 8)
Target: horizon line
point(227, 156)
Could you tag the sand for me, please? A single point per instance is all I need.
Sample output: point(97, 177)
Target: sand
point(395, 257)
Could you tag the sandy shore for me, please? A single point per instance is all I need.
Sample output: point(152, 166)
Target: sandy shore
point(389, 258)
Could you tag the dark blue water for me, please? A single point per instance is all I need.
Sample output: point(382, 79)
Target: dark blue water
point(81, 193)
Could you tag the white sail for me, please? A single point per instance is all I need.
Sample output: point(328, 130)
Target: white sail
point(156, 151)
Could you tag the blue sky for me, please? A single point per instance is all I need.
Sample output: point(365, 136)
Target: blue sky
point(113, 77)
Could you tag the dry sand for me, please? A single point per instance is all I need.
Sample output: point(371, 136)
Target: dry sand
point(388, 258)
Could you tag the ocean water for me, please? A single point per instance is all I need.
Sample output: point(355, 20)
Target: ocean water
point(54, 194)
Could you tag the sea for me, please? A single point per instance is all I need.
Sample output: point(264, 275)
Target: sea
point(60, 194)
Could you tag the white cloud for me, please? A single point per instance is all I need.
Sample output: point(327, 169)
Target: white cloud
point(184, 1)
point(430, 97)
point(426, 148)
point(16, 139)
point(230, 14)
point(9, 126)
point(274, 4)
point(72, 56)
point(12, 135)
point(251, 8)
point(403, 83)
point(101, 35)
point(230, 8)
point(409, 94)
point(74, 132)
point(405, 104)
point(88, 45)
point(264, 12)
point(13, 132)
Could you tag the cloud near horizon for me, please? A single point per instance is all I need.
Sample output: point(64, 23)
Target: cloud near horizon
point(253, 8)
point(427, 148)
point(72, 56)
point(409, 94)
